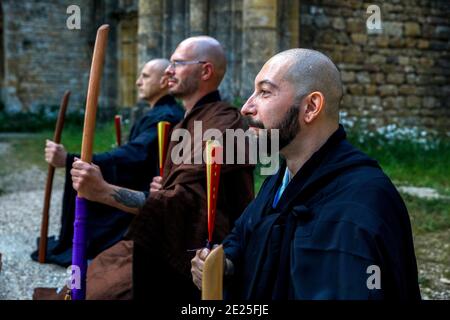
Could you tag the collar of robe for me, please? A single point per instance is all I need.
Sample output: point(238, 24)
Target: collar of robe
point(165, 100)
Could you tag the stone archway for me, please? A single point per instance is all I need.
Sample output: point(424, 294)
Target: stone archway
point(127, 61)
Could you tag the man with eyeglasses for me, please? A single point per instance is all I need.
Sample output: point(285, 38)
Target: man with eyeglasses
point(132, 165)
point(172, 222)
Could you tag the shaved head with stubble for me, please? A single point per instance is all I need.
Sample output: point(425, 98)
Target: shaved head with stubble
point(152, 82)
point(203, 74)
point(297, 92)
point(204, 48)
point(310, 70)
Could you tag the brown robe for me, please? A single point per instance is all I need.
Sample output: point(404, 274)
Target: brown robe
point(108, 276)
point(174, 219)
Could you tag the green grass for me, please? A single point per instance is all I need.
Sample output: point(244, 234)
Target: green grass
point(104, 138)
point(406, 163)
point(29, 149)
point(428, 215)
point(409, 163)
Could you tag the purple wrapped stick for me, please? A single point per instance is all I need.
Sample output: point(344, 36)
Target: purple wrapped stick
point(81, 213)
point(79, 248)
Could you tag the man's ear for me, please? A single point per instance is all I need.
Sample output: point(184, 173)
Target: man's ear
point(207, 71)
point(315, 103)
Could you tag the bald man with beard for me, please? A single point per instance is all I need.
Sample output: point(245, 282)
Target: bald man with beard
point(132, 165)
point(329, 224)
point(172, 221)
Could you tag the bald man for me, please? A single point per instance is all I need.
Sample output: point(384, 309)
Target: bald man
point(172, 222)
point(329, 224)
point(132, 165)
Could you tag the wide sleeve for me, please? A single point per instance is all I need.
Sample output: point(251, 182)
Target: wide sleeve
point(134, 151)
point(336, 259)
point(166, 223)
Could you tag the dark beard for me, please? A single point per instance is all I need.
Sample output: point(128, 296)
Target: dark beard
point(288, 127)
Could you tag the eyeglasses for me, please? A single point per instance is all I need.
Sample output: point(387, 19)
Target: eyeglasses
point(176, 63)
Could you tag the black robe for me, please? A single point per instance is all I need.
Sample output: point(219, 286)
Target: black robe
point(339, 215)
point(133, 166)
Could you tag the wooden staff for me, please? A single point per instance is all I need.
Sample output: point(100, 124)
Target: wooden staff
point(79, 234)
point(118, 125)
point(212, 280)
point(49, 183)
point(163, 139)
point(213, 162)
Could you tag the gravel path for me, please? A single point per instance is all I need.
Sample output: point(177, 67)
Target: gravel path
point(20, 220)
point(21, 200)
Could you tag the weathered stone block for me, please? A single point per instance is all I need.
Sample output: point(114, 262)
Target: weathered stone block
point(412, 29)
point(406, 89)
point(393, 103)
point(378, 78)
point(397, 78)
point(403, 60)
point(356, 89)
point(388, 90)
point(394, 29)
point(382, 41)
point(356, 25)
point(370, 89)
point(347, 76)
point(338, 23)
point(363, 77)
point(359, 38)
point(429, 102)
point(413, 102)
point(377, 59)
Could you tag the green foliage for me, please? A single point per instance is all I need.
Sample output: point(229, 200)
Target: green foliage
point(410, 162)
point(35, 122)
point(29, 149)
point(238, 102)
point(104, 138)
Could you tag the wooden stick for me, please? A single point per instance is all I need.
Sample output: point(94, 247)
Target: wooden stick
point(118, 125)
point(212, 280)
point(93, 93)
point(79, 258)
point(49, 183)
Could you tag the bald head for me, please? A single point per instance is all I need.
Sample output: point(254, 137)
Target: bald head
point(157, 66)
point(204, 48)
point(310, 70)
point(152, 82)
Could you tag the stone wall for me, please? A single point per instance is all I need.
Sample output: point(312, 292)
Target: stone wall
point(399, 75)
point(42, 57)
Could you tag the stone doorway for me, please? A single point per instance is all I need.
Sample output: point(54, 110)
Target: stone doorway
point(127, 61)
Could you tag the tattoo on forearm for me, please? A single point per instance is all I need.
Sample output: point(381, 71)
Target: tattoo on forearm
point(131, 199)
